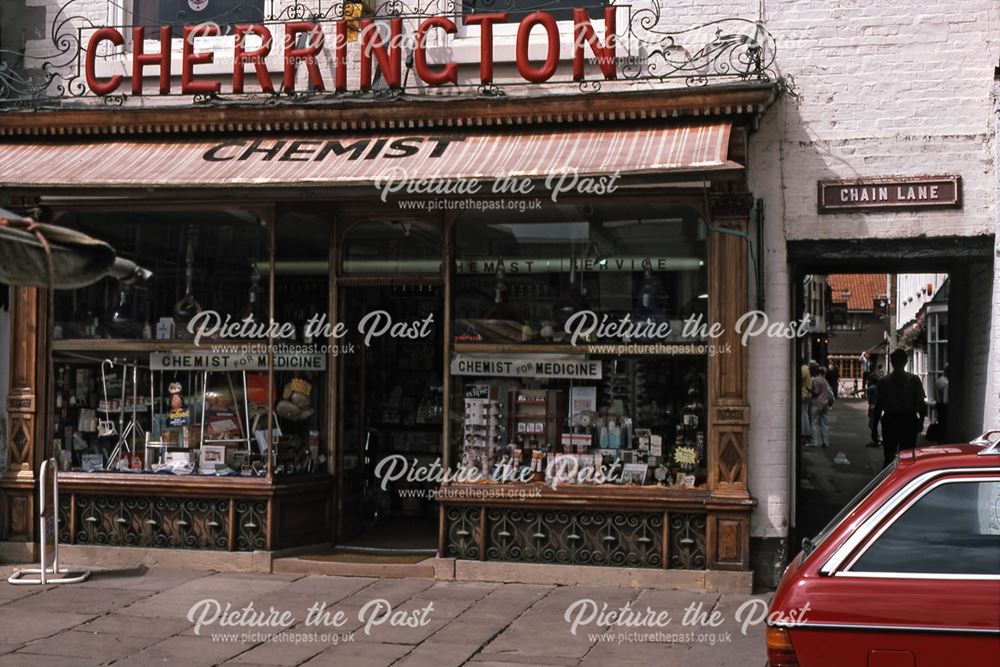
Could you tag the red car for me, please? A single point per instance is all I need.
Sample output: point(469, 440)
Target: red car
point(907, 575)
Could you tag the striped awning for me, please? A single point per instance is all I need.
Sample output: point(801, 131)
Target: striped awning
point(352, 160)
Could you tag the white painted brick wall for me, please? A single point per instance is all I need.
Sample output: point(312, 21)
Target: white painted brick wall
point(770, 369)
point(976, 346)
point(991, 413)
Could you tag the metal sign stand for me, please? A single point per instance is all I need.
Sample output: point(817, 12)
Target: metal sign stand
point(48, 575)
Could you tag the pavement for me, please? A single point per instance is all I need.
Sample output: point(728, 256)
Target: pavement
point(142, 617)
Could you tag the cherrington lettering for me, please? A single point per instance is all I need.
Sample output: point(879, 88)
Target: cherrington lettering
point(379, 52)
point(378, 323)
point(587, 612)
point(374, 613)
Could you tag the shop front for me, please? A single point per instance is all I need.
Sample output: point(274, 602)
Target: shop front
point(494, 328)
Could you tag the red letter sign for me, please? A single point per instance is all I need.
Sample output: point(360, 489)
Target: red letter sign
point(485, 23)
point(241, 57)
point(340, 55)
point(306, 53)
point(388, 59)
point(111, 85)
point(140, 59)
point(584, 32)
point(189, 59)
point(524, 67)
point(450, 72)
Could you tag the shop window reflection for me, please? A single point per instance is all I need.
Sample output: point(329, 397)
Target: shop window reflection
point(138, 387)
point(523, 281)
point(561, 322)
point(392, 246)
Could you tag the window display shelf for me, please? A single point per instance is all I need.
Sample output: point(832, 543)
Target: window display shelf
point(130, 345)
point(677, 349)
point(584, 496)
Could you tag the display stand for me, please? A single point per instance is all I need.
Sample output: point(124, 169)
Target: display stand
point(243, 423)
point(20, 577)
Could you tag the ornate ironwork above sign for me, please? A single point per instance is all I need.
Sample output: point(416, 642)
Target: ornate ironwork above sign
point(273, 51)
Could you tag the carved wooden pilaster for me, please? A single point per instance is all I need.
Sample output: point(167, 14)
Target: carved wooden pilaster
point(729, 412)
point(24, 410)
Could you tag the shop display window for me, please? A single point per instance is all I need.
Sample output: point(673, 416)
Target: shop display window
point(390, 246)
point(167, 373)
point(542, 276)
point(543, 390)
point(300, 416)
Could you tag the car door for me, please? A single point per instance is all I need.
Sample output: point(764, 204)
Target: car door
point(928, 578)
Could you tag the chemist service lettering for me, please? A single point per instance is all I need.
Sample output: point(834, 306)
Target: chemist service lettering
point(211, 324)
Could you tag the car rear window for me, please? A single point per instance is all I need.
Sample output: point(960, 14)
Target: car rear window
point(952, 529)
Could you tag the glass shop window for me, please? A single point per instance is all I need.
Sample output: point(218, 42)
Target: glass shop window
point(159, 371)
point(301, 439)
point(225, 13)
point(561, 10)
point(559, 274)
point(392, 246)
point(559, 368)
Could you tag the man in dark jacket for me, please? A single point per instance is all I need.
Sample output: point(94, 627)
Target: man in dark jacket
point(901, 407)
point(833, 379)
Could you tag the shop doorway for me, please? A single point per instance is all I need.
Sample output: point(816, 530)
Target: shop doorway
point(390, 410)
point(926, 300)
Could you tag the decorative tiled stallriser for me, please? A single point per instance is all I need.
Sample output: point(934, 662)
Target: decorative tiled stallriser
point(607, 538)
point(161, 522)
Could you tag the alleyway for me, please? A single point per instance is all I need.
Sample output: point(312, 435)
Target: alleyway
point(140, 618)
point(830, 477)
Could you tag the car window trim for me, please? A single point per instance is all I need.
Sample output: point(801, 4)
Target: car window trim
point(964, 479)
point(821, 625)
point(918, 575)
point(858, 537)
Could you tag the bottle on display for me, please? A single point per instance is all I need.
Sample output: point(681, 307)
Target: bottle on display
point(693, 420)
point(251, 309)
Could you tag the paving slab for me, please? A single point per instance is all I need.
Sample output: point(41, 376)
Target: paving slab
point(30, 660)
point(22, 626)
point(367, 654)
point(187, 651)
point(98, 647)
point(154, 628)
point(68, 598)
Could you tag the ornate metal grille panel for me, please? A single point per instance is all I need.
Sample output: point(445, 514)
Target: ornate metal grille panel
point(160, 522)
point(250, 518)
point(687, 542)
point(617, 539)
point(463, 534)
point(650, 49)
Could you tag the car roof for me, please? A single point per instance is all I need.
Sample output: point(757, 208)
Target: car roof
point(961, 455)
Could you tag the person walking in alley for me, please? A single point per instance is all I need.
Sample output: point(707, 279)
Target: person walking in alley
point(871, 391)
point(833, 379)
point(901, 407)
point(805, 381)
point(819, 407)
point(941, 404)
